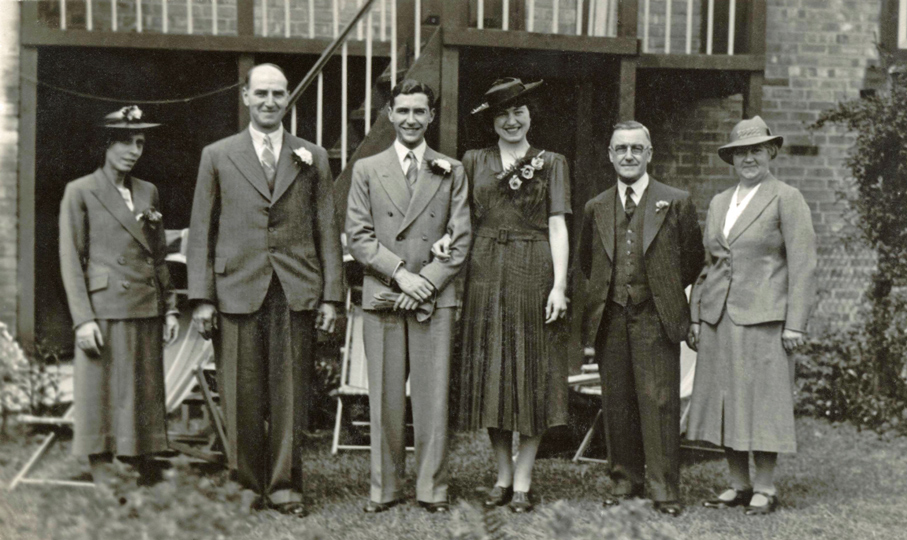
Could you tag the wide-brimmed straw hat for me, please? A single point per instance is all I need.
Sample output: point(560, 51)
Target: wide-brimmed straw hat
point(503, 92)
point(748, 132)
point(126, 118)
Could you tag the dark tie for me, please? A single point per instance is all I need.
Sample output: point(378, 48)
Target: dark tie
point(268, 162)
point(630, 205)
point(412, 171)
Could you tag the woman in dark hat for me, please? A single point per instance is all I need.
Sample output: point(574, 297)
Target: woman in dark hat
point(112, 251)
point(513, 374)
point(749, 308)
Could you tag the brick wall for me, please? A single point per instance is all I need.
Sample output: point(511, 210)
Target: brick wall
point(9, 145)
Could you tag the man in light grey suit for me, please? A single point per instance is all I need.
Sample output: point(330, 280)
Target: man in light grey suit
point(402, 201)
point(264, 269)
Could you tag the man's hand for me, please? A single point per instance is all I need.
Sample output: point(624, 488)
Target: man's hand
point(171, 329)
point(414, 285)
point(89, 338)
point(693, 337)
point(205, 319)
point(404, 301)
point(441, 248)
point(327, 317)
point(791, 339)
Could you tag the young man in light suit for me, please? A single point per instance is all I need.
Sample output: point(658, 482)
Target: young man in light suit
point(640, 247)
point(402, 201)
point(264, 270)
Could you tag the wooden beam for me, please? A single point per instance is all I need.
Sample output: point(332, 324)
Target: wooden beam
point(737, 62)
point(627, 108)
point(245, 17)
point(517, 15)
point(472, 37)
point(244, 63)
point(752, 95)
point(454, 17)
point(628, 11)
point(41, 36)
point(25, 269)
point(449, 116)
point(755, 27)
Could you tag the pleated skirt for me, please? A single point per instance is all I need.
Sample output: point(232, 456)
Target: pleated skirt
point(119, 397)
point(513, 367)
point(743, 388)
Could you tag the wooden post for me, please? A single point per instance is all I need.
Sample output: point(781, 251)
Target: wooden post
point(752, 95)
point(243, 65)
point(454, 17)
point(245, 17)
point(517, 14)
point(28, 111)
point(888, 26)
point(406, 28)
point(626, 18)
point(627, 109)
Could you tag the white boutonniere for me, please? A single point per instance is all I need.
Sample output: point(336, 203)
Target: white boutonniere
point(150, 216)
point(302, 156)
point(661, 205)
point(440, 166)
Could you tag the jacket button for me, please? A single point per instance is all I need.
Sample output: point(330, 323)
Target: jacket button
point(151, 282)
point(271, 250)
point(424, 263)
point(390, 214)
point(270, 229)
point(400, 238)
point(424, 238)
point(122, 260)
point(125, 284)
point(432, 214)
point(150, 261)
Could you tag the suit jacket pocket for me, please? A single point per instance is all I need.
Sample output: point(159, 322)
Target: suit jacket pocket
point(97, 282)
point(220, 265)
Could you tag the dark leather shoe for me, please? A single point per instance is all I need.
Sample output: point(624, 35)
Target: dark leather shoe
point(764, 509)
point(376, 508)
point(436, 507)
point(520, 502)
point(614, 499)
point(499, 496)
point(670, 508)
point(741, 498)
point(291, 509)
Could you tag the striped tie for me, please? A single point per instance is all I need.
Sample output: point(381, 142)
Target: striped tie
point(269, 162)
point(412, 171)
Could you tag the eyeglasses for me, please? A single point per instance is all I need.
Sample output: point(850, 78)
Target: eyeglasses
point(636, 149)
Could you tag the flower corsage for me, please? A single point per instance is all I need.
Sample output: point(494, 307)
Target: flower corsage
point(441, 167)
point(521, 172)
point(661, 205)
point(302, 157)
point(150, 216)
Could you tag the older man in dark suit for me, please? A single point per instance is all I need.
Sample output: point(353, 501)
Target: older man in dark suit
point(640, 247)
point(264, 269)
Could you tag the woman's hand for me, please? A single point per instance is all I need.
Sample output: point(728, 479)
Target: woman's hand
point(441, 248)
point(791, 339)
point(557, 305)
point(693, 337)
point(406, 302)
point(171, 329)
point(89, 338)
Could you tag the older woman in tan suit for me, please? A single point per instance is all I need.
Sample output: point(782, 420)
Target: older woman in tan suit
point(112, 251)
point(749, 310)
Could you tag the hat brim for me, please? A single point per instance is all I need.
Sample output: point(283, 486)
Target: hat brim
point(130, 125)
point(726, 152)
point(528, 88)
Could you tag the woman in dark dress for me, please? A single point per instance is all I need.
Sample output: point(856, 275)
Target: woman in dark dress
point(513, 375)
point(112, 250)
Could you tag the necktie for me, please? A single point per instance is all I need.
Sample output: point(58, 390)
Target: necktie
point(630, 205)
point(412, 170)
point(269, 162)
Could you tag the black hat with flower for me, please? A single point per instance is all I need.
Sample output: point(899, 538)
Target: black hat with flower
point(503, 93)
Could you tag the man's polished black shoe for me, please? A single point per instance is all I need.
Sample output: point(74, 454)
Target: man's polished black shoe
point(499, 496)
point(295, 508)
point(436, 507)
point(741, 498)
point(670, 508)
point(376, 508)
point(614, 500)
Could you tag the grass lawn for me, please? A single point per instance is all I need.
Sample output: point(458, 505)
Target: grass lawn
point(843, 484)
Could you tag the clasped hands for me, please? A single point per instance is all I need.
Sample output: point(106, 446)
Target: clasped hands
point(204, 316)
point(415, 289)
point(790, 339)
point(90, 339)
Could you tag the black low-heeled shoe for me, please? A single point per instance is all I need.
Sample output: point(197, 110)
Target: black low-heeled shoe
point(376, 508)
point(763, 509)
point(499, 496)
point(741, 497)
point(669, 508)
point(435, 507)
point(520, 502)
point(294, 508)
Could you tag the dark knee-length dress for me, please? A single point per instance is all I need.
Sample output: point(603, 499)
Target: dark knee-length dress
point(513, 369)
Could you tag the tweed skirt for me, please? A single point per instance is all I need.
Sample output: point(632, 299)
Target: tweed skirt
point(119, 396)
point(743, 388)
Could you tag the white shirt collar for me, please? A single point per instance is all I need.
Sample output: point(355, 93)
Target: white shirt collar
point(639, 187)
point(258, 141)
point(402, 151)
point(735, 209)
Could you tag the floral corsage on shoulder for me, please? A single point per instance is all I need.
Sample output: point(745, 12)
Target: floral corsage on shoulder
point(439, 166)
point(302, 157)
point(519, 176)
point(150, 216)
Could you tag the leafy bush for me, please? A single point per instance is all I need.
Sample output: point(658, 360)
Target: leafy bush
point(26, 384)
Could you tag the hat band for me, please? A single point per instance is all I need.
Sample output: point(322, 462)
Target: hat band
point(748, 133)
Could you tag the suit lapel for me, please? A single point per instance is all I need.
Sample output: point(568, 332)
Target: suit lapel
point(604, 219)
point(427, 184)
point(287, 170)
point(652, 220)
point(767, 191)
point(246, 160)
point(108, 195)
point(390, 175)
point(716, 225)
